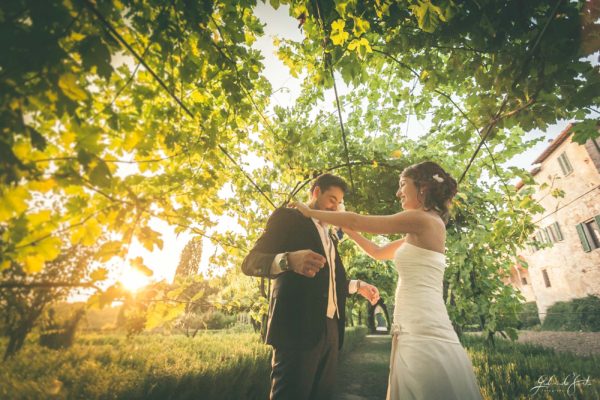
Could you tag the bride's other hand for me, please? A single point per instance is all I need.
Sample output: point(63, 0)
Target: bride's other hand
point(369, 292)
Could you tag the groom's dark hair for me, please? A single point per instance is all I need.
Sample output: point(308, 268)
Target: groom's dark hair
point(325, 181)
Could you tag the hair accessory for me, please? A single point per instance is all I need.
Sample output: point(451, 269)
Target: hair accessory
point(438, 178)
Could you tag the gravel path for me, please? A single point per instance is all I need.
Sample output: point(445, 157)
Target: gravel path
point(580, 343)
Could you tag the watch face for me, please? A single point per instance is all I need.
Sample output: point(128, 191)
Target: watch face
point(283, 263)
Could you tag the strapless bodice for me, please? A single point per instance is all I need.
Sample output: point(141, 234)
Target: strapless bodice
point(419, 306)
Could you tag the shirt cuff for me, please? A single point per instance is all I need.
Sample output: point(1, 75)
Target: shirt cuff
point(275, 268)
point(353, 286)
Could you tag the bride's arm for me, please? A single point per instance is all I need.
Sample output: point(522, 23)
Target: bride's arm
point(385, 252)
point(410, 221)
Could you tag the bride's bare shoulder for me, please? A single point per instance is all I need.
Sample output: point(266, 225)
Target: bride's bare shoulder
point(421, 214)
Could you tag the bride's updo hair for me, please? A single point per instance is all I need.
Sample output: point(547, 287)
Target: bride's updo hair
point(439, 187)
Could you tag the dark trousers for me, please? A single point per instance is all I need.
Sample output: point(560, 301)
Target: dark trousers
point(306, 374)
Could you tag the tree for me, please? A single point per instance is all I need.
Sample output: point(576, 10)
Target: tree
point(482, 73)
point(24, 301)
point(60, 335)
point(481, 66)
point(194, 293)
point(103, 148)
point(490, 219)
point(173, 115)
point(190, 258)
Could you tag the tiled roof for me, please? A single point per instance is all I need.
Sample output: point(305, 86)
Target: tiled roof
point(549, 150)
point(555, 143)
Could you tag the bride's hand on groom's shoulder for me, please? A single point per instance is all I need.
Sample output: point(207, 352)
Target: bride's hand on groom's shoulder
point(303, 208)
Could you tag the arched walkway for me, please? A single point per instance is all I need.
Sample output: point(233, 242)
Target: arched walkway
point(378, 320)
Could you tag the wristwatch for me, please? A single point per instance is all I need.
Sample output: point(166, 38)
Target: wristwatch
point(283, 263)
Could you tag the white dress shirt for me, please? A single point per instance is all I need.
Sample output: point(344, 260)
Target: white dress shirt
point(329, 247)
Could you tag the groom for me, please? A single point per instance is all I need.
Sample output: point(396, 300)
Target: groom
point(307, 306)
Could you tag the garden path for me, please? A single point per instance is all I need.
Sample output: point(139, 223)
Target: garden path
point(580, 343)
point(363, 373)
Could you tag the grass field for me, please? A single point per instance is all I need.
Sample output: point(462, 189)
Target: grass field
point(509, 371)
point(230, 365)
point(213, 365)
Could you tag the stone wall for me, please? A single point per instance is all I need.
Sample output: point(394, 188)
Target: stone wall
point(572, 272)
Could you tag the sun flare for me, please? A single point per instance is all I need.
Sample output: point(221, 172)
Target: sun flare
point(133, 280)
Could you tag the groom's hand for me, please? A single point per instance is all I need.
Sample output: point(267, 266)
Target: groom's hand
point(369, 292)
point(306, 262)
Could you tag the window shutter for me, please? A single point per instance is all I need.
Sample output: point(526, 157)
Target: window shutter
point(568, 164)
point(540, 237)
point(558, 231)
point(552, 233)
point(583, 238)
point(565, 164)
point(597, 219)
point(546, 235)
point(562, 165)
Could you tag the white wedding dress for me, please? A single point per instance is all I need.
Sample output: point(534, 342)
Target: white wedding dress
point(427, 361)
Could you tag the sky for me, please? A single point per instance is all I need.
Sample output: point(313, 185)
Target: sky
point(285, 91)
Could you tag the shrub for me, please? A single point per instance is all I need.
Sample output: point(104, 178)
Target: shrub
point(218, 320)
point(57, 335)
point(576, 315)
point(529, 316)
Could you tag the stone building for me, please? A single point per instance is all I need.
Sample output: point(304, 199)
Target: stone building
point(564, 260)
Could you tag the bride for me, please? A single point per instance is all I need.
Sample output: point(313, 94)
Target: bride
point(427, 360)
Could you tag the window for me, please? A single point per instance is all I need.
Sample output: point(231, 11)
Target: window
point(565, 164)
point(553, 233)
point(524, 280)
point(539, 237)
point(546, 278)
point(550, 234)
point(594, 233)
point(589, 234)
point(533, 244)
point(546, 235)
point(557, 232)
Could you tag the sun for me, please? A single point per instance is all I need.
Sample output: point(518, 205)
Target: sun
point(133, 280)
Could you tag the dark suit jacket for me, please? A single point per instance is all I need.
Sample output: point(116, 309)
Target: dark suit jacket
point(298, 305)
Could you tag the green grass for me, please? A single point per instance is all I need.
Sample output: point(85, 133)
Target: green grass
point(149, 367)
point(507, 371)
point(510, 370)
point(219, 365)
point(235, 365)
